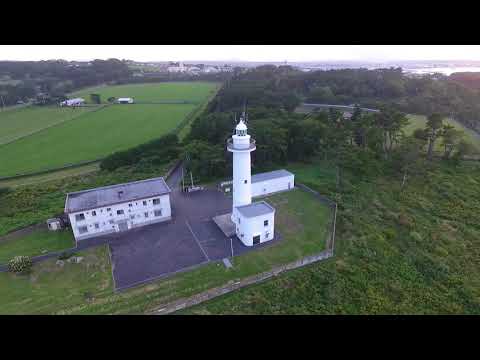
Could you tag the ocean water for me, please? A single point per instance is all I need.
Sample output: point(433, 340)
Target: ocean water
point(443, 70)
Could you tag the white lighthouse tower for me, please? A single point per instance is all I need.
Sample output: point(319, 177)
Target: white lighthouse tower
point(241, 145)
point(253, 223)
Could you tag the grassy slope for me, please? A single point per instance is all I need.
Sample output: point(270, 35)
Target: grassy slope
point(414, 252)
point(51, 289)
point(191, 91)
point(27, 120)
point(90, 137)
point(35, 243)
point(301, 219)
point(419, 121)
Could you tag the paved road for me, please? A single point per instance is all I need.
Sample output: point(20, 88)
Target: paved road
point(347, 107)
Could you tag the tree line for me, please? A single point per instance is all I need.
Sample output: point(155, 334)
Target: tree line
point(21, 81)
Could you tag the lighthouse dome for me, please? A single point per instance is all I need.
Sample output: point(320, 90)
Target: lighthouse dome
point(241, 128)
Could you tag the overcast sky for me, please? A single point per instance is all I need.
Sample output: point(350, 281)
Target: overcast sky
point(241, 52)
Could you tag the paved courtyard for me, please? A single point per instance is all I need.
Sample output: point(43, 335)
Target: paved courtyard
point(190, 239)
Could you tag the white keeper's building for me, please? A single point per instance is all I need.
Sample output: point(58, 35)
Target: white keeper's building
point(117, 208)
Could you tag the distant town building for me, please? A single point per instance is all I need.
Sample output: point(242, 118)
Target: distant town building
point(118, 208)
point(177, 68)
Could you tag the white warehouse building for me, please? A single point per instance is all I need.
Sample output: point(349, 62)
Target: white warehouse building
point(272, 182)
point(267, 183)
point(117, 208)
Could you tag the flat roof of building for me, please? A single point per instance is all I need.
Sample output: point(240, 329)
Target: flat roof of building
point(255, 209)
point(115, 194)
point(270, 175)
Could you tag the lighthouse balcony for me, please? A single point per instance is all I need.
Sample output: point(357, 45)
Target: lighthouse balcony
point(235, 147)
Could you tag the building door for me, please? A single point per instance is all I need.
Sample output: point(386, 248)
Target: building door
point(122, 226)
point(256, 240)
point(289, 185)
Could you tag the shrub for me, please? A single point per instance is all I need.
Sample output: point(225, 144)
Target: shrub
point(65, 255)
point(20, 264)
point(4, 190)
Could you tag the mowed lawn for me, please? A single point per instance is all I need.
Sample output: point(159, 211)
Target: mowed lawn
point(168, 91)
point(419, 122)
point(20, 122)
point(90, 137)
point(36, 243)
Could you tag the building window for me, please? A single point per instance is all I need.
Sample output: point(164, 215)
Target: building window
point(109, 209)
point(245, 181)
point(94, 213)
point(97, 226)
point(132, 217)
point(265, 223)
point(146, 214)
point(119, 212)
point(130, 205)
point(111, 221)
point(156, 201)
point(80, 217)
point(144, 203)
point(158, 212)
point(239, 220)
point(82, 229)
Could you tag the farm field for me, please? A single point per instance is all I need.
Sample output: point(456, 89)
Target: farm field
point(35, 139)
point(87, 288)
point(195, 92)
point(23, 121)
point(90, 137)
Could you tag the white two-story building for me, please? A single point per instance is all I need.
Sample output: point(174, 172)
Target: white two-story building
point(117, 208)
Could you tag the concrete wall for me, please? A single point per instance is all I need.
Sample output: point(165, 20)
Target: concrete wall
point(133, 215)
point(272, 186)
point(247, 228)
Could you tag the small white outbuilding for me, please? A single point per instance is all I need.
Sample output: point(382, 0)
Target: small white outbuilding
point(73, 102)
point(254, 222)
point(125, 100)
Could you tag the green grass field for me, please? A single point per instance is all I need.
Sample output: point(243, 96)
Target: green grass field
point(33, 244)
point(419, 121)
point(27, 120)
point(86, 288)
point(90, 137)
point(167, 91)
point(56, 175)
